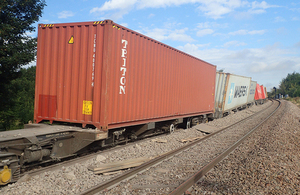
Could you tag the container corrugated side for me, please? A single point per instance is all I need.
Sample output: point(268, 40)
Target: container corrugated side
point(266, 93)
point(263, 94)
point(220, 87)
point(251, 92)
point(65, 72)
point(258, 95)
point(160, 82)
point(237, 91)
point(104, 74)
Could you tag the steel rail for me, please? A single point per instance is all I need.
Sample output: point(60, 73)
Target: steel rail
point(193, 179)
point(114, 181)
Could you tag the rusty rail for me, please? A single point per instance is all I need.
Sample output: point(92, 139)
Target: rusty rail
point(193, 179)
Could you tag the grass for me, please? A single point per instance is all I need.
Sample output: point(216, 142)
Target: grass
point(295, 100)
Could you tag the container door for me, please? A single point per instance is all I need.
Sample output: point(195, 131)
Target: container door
point(66, 73)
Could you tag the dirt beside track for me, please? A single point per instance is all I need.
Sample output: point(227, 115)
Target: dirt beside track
point(267, 163)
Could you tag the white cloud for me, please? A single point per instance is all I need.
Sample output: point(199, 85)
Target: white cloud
point(124, 24)
point(259, 8)
point(65, 14)
point(203, 45)
point(218, 8)
point(212, 25)
point(208, 28)
point(161, 3)
point(204, 32)
point(162, 34)
point(255, 8)
point(261, 5)
point(259, 63)
point(180, 37)
point(157, 33)
point(295, 19)
point(204, 25)
point(151, 15)
point(215, 10)
point(211, 8)
point(279, 19)
point(256, 11)
point(246, 32)
point(119, 8)
point(114, 4)
point(239, 32)
point(257, 32)
point(234, 44)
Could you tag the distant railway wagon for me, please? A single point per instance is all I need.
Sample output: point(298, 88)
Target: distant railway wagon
point(231, 94)
point(266, 94)
point(260, 94)
point(263, 93)
point(251, 94)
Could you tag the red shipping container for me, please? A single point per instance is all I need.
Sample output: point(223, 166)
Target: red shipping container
point(104, 74)
point(266, 93)
point(258, 93)
point(263, 94)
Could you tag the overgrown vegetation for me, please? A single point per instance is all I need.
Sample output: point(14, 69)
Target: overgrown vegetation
point(289, 86)
point(21, 109)
point(16, 50)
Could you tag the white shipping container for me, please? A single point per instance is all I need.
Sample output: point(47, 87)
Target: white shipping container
point(251, 92)
point(236, 91)
point(221, 79)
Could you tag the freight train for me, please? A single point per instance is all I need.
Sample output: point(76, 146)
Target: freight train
point(108, 84)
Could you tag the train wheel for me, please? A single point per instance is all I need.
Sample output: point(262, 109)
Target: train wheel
point(195, 121)
point(188, 124)
point(172, 128)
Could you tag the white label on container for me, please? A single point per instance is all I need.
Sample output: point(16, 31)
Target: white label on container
point(123, 67)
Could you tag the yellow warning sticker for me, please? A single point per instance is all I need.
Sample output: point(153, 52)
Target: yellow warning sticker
point(71, 41)
point(87, 107)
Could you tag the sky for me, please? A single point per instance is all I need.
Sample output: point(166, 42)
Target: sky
point(258, 39)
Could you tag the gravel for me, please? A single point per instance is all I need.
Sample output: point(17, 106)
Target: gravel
point(71, 180)
point(266, 163)
point(184, 164)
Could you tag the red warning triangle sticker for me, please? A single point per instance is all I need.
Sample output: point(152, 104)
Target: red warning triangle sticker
point(71, 41)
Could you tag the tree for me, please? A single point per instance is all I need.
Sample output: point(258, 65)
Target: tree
point(16, 48)
point(22, 91)
point(291, 85)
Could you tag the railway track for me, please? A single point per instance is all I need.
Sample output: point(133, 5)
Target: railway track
point(176, 171)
